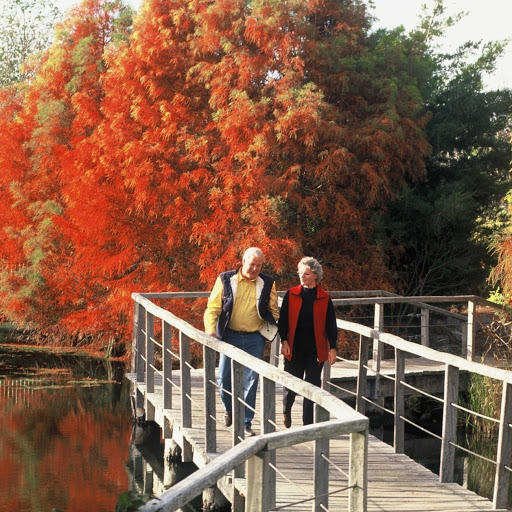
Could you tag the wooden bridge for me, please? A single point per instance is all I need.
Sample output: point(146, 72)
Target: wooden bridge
point(332, 465)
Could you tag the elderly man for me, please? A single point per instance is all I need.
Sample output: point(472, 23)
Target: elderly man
point(242, 303)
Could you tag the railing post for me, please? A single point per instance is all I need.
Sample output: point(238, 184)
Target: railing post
point(503, 457)
point(378, 325)
point(237, 397)
point(238, 425)
point(275, 350)
point(167, 364)
point(469, 349)
point(210, 430)
point(186, 393)
point(362, 375)
point(320, 465)
point(464, 330)
point(257, 474)
point(425, 327)
point(399, 433)
point(140, 344)
point(451, 394)
point(358, 472)
point(326, 375)
point(150, 353)
point(268, 418)
point(135, 331)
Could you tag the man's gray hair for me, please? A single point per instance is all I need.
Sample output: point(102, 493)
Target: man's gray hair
point(314, 265)
point(253, 251)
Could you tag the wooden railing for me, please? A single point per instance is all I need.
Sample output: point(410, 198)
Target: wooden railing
point(425, 305)
point(153, 357)
point(454, 366)
point(258, 451)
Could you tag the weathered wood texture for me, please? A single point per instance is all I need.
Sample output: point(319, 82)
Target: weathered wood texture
point(395, 482)
point(399, 483)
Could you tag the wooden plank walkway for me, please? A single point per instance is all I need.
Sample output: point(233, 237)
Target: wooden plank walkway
point(423, 373)
point(395, 482)
point(414, 365)
point(420, 372)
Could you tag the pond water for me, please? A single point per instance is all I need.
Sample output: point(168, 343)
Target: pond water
point(68, 442)
point(65, 436)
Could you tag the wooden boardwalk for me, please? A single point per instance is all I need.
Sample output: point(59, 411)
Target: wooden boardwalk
point(423, 373)
point(395, 482)
point(416, 365)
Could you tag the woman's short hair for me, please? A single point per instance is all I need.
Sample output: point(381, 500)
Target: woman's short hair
point(314, 265)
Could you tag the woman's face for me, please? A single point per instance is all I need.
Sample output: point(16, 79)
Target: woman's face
point(307, 278)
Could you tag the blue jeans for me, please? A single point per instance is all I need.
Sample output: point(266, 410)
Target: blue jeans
point(254, 344)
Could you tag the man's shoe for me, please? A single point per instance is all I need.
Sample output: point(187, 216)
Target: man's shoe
point(287, 419)
point(249, 432)
point(228, 419)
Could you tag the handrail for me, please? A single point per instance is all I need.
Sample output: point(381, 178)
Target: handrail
point(186, 490)
point(427, 352)
point(468, 322)
point(395, 299)
point(346, 415)
point(344, 418)
point(453, 366)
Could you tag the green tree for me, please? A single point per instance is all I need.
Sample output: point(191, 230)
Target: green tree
point(438, 233)
point(26, 30)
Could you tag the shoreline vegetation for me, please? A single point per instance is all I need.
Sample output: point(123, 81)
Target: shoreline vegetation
point(12, 341)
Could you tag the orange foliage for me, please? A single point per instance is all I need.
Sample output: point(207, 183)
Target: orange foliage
point(150, 165)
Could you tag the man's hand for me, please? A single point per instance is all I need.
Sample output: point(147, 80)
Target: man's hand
point(332, 356)
point(285, 349)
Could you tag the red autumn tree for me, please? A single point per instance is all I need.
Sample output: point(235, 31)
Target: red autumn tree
point(54, 114)
point(218, 125)
point(13, 161)
point(237, 124)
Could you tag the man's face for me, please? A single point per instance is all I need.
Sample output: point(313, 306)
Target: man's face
point(251, 266)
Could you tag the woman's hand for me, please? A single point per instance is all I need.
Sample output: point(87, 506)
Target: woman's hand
point(332, 356)
point(285, 349)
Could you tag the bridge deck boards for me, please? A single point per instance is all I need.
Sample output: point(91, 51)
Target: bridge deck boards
point(395, 482)
point(349, 369)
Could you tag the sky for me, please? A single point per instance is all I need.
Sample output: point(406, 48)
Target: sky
point(487, 20)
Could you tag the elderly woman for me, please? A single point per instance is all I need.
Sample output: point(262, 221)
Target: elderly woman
point(307, 326)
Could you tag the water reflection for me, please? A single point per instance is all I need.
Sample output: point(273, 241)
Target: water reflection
point(65, 434)
point(151, 476)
